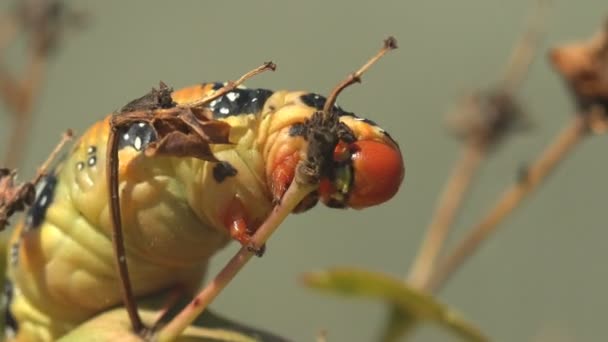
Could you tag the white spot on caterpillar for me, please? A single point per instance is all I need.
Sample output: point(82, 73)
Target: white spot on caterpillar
point(141, 124)
point(232, 96)
point(137, 143)
point(126, 136)
point(224, 110)
point(14, 254)
point(43, 200)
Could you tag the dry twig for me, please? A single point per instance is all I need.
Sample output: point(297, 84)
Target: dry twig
point(43, 21)
point(483, 119)
point(584, 67)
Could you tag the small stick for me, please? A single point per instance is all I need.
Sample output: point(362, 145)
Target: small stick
point(511, 198)
point(454, 191)
point(8, 30)
point(22, 109)
point(389, 44)
point(65, 137)
point(449, 202)
point(524, 52)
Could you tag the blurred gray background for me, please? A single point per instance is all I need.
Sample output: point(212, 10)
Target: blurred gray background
point(541, 278)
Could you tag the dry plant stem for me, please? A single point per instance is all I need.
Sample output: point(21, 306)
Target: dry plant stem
point(523, 53)
point(22, 108)
point(449, 203)
point(295, 193)
point(510, 199)
point(8, 30)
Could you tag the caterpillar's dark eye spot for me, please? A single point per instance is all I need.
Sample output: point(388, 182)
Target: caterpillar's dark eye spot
point(91, 150)
point(222, 170)
point(92, 161)
point(80, 166)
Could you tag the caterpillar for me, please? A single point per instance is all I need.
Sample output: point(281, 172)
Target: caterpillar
point(176, 211)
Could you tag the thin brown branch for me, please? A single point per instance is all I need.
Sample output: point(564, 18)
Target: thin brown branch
point(525, 50)
point(8, 31)
point(22, 110)
point(10, 90)
point(510, 200)
point(42, 22)
point(65, 138)
point(449, 203)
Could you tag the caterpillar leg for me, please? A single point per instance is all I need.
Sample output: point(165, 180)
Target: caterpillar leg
point(239, 226)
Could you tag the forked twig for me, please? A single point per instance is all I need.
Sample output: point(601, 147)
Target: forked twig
point(511, 198)
point(112, 180)
point(306, 180)
point(525, 51)
point(583, 66)
point(43, 21)
point(485, 120)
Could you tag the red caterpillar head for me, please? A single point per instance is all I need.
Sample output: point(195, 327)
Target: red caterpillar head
point(367, 171)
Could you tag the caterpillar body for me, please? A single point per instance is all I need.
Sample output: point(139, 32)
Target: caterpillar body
point(176, 212)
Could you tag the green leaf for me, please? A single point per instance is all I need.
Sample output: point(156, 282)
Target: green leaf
point(408, 306)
